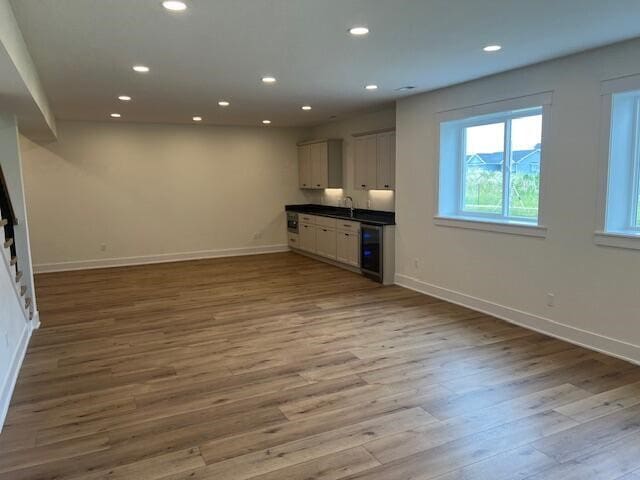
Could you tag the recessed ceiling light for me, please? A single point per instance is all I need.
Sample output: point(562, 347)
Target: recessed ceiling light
point(115, 115)
point(268, 79)
point(124, 98)
point(306, 107)
point(492, 48)
point(266, 122)
point(358, 31)
point(141, 68)
point(223, 103)
point(371, 87)
point(174, 5)
point(197, 119)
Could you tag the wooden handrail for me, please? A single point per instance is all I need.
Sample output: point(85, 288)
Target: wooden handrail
point(5, 201)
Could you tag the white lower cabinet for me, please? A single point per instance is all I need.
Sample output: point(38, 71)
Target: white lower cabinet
point(307, 238)
point(327, 237)
point(326, 242)
point(348, 248)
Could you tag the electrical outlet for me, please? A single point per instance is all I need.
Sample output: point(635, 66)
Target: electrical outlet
point(103, 247)
point(551, 300)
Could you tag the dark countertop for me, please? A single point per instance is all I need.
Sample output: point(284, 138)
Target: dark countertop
point(371, 217)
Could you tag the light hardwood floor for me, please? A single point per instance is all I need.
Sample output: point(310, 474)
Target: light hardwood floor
point(280, 367)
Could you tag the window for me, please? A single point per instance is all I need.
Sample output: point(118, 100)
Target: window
point(623, 185)
point(490, 167)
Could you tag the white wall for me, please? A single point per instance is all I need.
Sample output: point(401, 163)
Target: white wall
point(377, 200)
point(15, 329)
point(11, 162)
point(597, 288)
point(154, 192)
point(12, 42)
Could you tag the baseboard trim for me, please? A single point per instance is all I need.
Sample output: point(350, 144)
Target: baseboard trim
point(161, 258)
point(593, 341)
point(14, 370)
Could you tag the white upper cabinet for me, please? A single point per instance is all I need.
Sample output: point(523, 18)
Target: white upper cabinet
point(386, 161)
point(365, 163)
point(320, 164)
point(375, 161)
point(304, 166)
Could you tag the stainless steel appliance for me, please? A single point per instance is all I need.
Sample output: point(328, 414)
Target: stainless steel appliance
point(292, 222)
point(371, 251)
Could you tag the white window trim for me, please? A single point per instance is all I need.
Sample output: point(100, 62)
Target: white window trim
point(492, 223)
point(619, 240)
point(628, 239)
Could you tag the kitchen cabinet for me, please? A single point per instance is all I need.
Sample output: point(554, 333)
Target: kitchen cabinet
point(320, 164)
point(304, 166)
point(348, 247)
point(386, 161)
point(375, 161)
point(307, 238)
point(326, 242)
point(365, 163)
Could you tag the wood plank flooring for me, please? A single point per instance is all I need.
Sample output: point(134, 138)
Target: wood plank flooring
point(280, 367)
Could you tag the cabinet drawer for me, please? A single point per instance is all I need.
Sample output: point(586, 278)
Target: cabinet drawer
point(348, 226)
point(326, 222)
point(293, 240)
point(305, 218)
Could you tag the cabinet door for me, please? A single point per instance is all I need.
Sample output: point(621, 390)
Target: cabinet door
point(307, 238)
point(348, 248)
point(365, 163)
point(359, 164)
point(326, 246)
point(319, 165)
point(386, 161)
point(304, 166)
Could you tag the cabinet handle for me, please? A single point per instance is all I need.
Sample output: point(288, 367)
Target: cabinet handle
point(386, 186)
point(363, 185)
point(323, 230)
point(317, 184)
point(345, 225)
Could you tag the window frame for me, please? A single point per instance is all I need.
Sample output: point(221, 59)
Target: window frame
point(627, 236)
point(506, 119)
point(483, 114)
point(633, 224)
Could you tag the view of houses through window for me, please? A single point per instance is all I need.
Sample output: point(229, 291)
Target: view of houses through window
point(493, 187)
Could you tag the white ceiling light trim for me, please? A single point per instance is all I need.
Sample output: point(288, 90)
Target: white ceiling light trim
point(358, 31)
point(492, 48)
point(115, 115)
point(174, 5)
point(223, 103)
point(306, 107)
point(268, 79)
point(371, 87)
point(141, 68)
point(124, 98)
point(197, 118)
point(266, 122)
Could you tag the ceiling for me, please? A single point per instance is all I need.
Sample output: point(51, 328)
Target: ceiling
point(84, 51)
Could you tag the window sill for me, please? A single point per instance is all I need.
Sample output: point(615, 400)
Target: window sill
point(511, 228)
point(627, 240)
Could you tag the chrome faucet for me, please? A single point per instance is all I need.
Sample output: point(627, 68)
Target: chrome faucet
point(351, 207)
